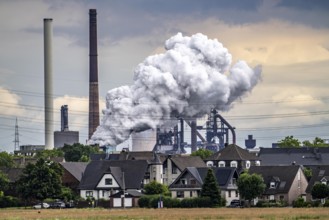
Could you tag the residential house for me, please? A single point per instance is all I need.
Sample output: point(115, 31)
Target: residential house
point(13, 175)
point(306, 156)
point(320, 174)
point(105, 178)
point(161, 168)
point(174, 165)
point(283, 183)
point(189, 183)
point(72, 174)
point(233, 156)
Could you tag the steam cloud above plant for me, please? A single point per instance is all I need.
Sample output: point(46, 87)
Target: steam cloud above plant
point(193, 76)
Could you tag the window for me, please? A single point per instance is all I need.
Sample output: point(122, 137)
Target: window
point(272, 185)
point(221, 164)
point(174, 170)
point(229, 194)
point(234, 164)
point(257, 163)
point(210, 164)
point(180, 194)
point(108, 181)
point(247, 164)
point(191, 194)
point(89, 193)
point(192, 181)
point(183, 181)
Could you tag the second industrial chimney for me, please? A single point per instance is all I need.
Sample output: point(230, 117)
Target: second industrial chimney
point(93, 74)
point(48, 84)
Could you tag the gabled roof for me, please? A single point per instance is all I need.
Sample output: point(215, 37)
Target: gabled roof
point(134, 171)
point(307, 156)
point(75, 168)
point(222, 174)
point(183, 162)
point(318, 173)
point(150, 156)
point(128, 194)
point(232, 152)
point(13, 174)
point(282, 175)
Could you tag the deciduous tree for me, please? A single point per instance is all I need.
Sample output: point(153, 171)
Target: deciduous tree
point(317, 142)
point(41, 180)
point(320, 191)
point(78, 152)
point(203, 153)
point(250, 186)
point(4, 182)
point(6, 160)
point(289, 141)
point(155, 188)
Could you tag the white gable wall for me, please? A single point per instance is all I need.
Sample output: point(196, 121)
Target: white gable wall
point(102, 184)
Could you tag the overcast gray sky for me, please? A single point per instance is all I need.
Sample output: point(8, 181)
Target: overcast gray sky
point(289, 38)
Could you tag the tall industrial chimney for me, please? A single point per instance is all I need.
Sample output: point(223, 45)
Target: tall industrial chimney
point(93, 74)
point(48, 84)
point(64, 118)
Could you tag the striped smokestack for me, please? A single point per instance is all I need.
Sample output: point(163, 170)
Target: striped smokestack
point(93, 74)
point(48, 77)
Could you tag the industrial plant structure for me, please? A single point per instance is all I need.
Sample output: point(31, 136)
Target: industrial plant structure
point(217, 132)
point(48, 83)
point(65, 136)
point(93, 74)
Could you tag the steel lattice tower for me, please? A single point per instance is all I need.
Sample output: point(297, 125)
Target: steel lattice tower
point(16, 141)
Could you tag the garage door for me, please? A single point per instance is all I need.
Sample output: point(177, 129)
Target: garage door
point(117, 202)
point(128, 202)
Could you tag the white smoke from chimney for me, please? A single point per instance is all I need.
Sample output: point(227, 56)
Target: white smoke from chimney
point(188, 80)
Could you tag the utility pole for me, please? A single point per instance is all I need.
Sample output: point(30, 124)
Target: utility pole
point(124, 189)
point(16, 141)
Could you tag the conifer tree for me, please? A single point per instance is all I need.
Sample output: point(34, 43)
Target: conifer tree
point(211, 189)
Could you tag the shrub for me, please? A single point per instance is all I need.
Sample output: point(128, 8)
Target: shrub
point(9, 201)
point(169, 202)
point(326, 204)
point(299, 203)
point(144, 201)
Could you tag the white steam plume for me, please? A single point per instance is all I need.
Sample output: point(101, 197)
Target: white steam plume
point(186, 81)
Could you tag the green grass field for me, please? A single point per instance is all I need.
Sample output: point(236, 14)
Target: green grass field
point(170, 214)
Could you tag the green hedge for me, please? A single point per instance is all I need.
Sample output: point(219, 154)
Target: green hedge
point(151, 201)
point(9, 201)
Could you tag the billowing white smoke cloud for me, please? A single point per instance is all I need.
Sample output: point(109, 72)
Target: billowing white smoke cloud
point(186, 81)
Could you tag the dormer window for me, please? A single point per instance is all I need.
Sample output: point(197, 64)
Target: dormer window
point(221, 164)
point(324, 181)
point(234, 164)
point(247, 164)
point(272, 185)
point(210, 164)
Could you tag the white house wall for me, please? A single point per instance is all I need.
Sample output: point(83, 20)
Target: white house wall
point(94, 194)
point(102, 184)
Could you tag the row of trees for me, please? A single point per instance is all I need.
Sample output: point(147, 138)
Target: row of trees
point(39, 181)
point(290, 141)
point(42, 180)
